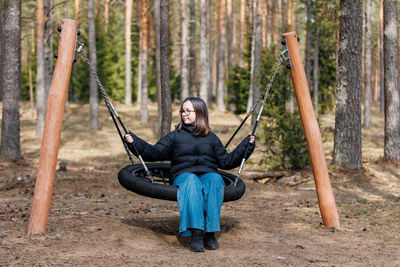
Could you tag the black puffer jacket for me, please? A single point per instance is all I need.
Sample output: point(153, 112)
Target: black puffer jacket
point(190, 153)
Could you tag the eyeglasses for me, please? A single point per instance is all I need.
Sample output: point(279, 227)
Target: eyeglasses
point(186, 112)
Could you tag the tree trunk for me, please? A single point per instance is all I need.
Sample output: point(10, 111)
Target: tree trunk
point(1, 49)
point(176, 36)
point(284, 14)
point(274, 35)
point(157, 32)
point(221, 57)
point(94, 102)
point(106, 14)
point(185, 53)
point(143, 57)
point(192, 48)
point(367, 65)
point(65, 15)
point(381, 56)
point(242, 31)
point(269, 23)
point(229, 33)
point(209, 37)
point(316, 73)
point(128, 48)
point(48, 46)
point(40, 68)
point(77, 5)
point(139, 73)
point(204, 49)
point(11, 80)
point(308, 42)
point(166, 111)
point(391, 79)
point(30, 51)
point(256, 58)
point(347, 140)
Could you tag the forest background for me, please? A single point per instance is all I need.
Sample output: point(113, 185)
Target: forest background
point(225, 52)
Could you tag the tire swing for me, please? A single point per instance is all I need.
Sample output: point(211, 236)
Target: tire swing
point(151, 180)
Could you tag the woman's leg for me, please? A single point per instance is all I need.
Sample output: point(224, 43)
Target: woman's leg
point(190, 202)
point(213, 189)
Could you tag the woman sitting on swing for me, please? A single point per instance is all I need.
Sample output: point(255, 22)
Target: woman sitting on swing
point(195, 154)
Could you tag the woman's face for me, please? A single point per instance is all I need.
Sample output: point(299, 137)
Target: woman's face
point(188, 114)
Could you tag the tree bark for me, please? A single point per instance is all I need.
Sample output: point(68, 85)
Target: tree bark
point(204, 49)
point(128, 48)
point(166, 111)
point(255, 71)
point(347, 139)
point(143, 57)
point(242, 31)
point(30, 51)
point(381, 56)
point(211, 69)
point(139, 73)
point(316, 73)
point(94, 102)
point(185, 53)
point(192, 48)
point(391, 80)
point(11, 80)
point(308, 42)
point(221, 57)
point(1, 50)
point(367, 65)
point(284, 15)
point(106, 14)
point(157, 32)
point(40, 68)
point(48, 46)
point(269, 23)
point(229, 33)
point(77, 5)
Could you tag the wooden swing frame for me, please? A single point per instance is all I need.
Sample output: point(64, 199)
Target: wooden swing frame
point(55, 112)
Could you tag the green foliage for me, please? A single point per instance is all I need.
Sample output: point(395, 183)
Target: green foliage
point(111, 55)
point(238, 87)
point(282, 131)
point(325, 25)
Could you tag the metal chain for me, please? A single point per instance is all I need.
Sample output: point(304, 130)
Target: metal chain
point(91, 67)
point(105, 96)
point(266, 91)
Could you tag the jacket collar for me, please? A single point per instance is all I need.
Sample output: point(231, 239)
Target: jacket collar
point(188, 128)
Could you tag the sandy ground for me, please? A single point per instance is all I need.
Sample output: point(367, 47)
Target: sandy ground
point(93, 221)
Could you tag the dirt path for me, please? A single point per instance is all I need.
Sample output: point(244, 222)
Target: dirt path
point(95, 222)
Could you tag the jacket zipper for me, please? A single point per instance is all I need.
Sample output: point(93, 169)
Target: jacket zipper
point(196, 151)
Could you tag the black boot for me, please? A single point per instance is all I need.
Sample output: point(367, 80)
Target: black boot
point(196, 244)
point(210, 241)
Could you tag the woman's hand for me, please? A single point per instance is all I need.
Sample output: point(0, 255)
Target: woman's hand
point(128, 138)
point(252, 138)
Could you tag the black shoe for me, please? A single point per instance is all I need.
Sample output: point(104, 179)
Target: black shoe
point(210, 241)
point(196, 244)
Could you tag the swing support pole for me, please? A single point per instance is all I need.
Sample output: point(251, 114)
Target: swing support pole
point(52, 128)
point(325, 196)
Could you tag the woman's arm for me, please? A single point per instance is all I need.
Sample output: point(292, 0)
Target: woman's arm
point(233, 159)
point(160, 151)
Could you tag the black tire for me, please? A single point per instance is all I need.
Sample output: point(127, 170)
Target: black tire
point(132, 177)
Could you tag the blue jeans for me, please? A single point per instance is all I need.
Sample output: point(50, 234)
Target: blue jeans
point(199, 200)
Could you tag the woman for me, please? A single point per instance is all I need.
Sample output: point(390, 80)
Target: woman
point(195, 154)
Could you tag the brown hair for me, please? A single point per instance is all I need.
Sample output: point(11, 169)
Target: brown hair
point(201, 124)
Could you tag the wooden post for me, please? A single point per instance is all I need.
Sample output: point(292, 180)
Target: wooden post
point(52, 128)
point(326, 199)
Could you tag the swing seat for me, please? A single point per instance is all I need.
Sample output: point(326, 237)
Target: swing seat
point(133, 178)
